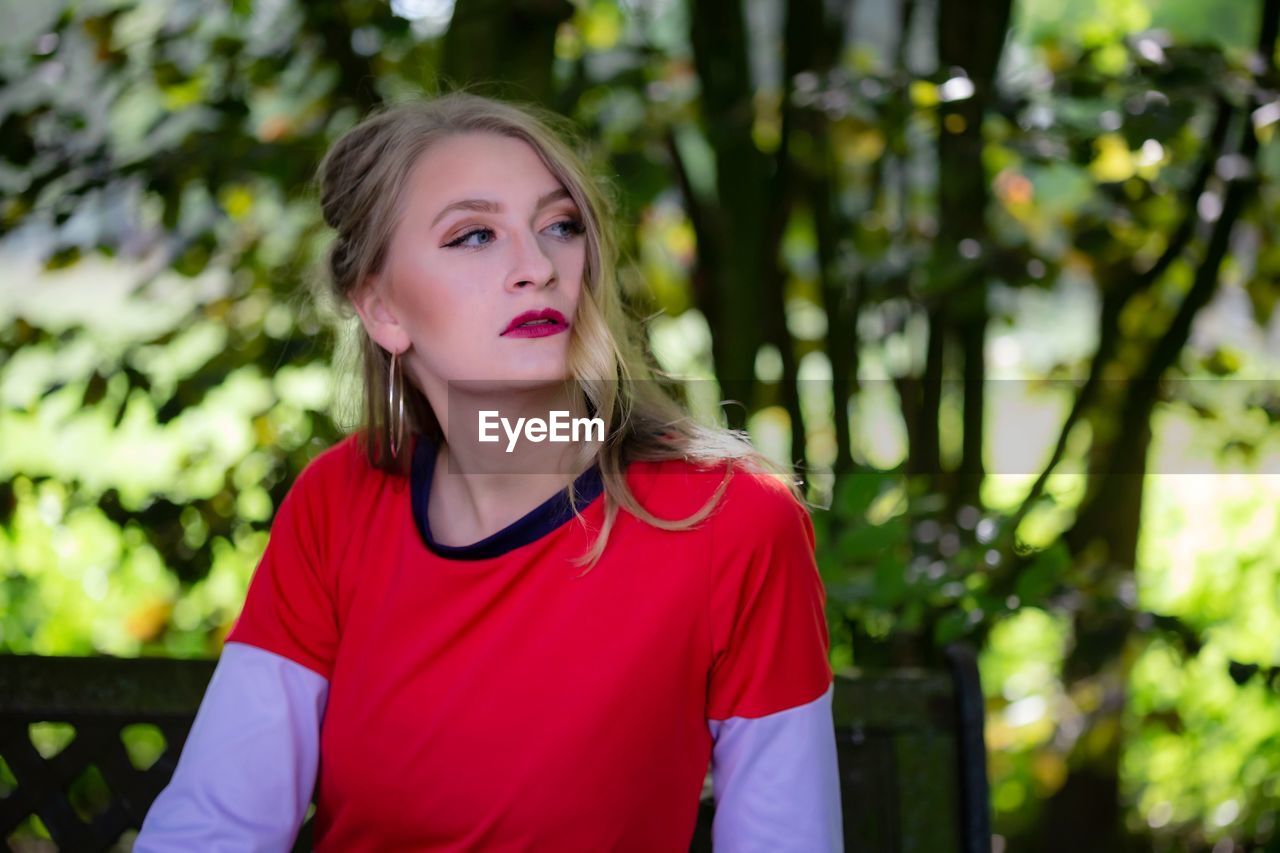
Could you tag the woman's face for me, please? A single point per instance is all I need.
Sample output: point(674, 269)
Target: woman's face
point(487, 234)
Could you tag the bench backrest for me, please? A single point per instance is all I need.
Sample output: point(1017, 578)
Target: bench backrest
point(86, 744)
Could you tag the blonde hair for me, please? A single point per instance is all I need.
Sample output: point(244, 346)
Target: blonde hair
point(360, 185)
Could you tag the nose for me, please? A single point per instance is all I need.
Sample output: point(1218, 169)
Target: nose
point(532, 266)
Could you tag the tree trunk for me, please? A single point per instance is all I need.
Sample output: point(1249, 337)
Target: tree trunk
point(735, 219)
point(508, 45)
point(970, 38)
point(812, 43)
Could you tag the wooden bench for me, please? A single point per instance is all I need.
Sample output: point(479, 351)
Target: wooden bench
point(911, 752)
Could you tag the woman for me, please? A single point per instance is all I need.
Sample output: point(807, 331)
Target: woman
point(460, 644)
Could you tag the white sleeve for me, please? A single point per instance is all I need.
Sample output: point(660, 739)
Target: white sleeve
point(247, 771)
point(776, 781)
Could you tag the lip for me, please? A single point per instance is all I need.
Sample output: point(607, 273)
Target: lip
point(557, 325)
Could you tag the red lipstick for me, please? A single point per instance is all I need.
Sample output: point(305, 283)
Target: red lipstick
point(536, 324)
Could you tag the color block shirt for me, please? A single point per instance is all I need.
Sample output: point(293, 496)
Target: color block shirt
point(496, 697)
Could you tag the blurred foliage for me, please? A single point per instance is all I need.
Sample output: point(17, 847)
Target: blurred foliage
point(164, 375)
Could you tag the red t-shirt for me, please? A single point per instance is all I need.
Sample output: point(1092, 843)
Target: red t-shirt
point(510, 702)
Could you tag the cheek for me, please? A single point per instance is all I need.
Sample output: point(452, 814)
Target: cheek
point(572, 265)
point(439, 298)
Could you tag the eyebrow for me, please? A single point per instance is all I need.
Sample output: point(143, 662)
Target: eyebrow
point(481, 205)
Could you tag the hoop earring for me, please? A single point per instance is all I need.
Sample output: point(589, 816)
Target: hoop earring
point(395, 404)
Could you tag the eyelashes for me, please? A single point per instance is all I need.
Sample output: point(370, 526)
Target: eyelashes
point(573, 227)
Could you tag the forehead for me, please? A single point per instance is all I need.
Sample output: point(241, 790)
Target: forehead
point(477, 165)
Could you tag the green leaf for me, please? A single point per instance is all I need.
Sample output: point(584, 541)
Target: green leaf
point(1043, 574)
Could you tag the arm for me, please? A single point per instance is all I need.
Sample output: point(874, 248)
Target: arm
point(247, 771)
point(769, 702)
point(776, 782)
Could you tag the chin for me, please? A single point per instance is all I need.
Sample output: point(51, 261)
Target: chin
point(520, 380)
point(534, 370)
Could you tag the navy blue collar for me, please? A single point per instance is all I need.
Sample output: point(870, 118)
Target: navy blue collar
point(538, 522)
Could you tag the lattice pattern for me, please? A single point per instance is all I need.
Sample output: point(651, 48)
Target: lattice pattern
point(86, 744)
point(88, 793)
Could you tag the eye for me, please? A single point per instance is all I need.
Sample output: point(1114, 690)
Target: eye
point(468, 235)
point(572, 228)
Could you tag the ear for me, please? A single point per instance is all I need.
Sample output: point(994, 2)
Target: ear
point(378, 315)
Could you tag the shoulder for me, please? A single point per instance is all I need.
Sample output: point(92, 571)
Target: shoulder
point(339, 473)
point(344, 464)
point(754, 505)
point(759, 514)
point(755, 494)
point(317, 514)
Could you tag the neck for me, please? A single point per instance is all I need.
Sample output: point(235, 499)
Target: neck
point(479, 487)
